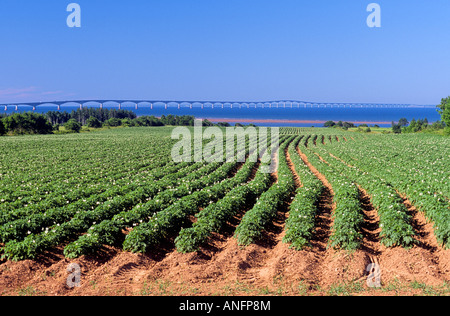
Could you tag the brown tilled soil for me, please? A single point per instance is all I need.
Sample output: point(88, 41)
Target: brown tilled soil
point(267, 268)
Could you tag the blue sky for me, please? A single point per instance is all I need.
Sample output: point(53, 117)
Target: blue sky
point(247, 50)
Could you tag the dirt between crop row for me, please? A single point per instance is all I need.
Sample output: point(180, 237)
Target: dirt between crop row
point(269, 267)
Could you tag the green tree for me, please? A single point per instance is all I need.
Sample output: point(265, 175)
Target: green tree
point(147, 121)
point(113, 122)
point(414, 126)
point(207, 123)
point(28, 123)
point(403, 122)
point(2, 128)
point(93, 122)
point(73, 126)
point(127, 122)
point(348, 125)
point(438, 125)
point(396, 128)
point(444, 111)
point(329, 124)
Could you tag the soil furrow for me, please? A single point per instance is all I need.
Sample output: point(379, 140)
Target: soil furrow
point(269, 254)
point(426, 261)
point(324, 224)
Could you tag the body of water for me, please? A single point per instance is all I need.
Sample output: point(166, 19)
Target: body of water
point(299, 117)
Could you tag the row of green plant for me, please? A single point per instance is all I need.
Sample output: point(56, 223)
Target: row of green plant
point(347, 217)
point(47, 169)
point(394, 219)
point(301, 223)
point(34, 244)
point(49, 196)
point(172, 219)
point(109, 231)
point(212, 218)
point(418, 171)
point(18, 224)
point(269, 203)
point(50, 202)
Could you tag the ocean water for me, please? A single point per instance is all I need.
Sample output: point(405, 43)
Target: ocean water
point(299, 117)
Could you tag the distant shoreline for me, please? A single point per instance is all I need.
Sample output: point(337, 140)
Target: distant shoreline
point(283, 121)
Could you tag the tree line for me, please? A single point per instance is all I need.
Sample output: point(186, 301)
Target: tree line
point(343, 125)
point(403, 126)
point(50, 122)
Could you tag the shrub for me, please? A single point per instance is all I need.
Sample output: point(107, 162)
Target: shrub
point(127, 122)
point(93, 122)
point(73, 126)
point(113, 122)
point(27, 123)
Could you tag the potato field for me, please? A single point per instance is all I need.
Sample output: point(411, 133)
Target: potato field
point(337, 199)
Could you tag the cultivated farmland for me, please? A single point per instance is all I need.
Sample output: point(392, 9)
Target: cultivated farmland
point(136, 222)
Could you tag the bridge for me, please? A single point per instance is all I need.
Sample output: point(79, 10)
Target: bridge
point(202, 104)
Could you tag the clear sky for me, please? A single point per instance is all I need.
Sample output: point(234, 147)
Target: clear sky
point(249, 50)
